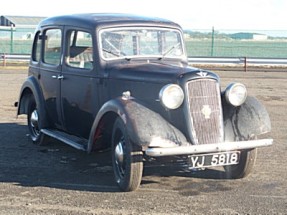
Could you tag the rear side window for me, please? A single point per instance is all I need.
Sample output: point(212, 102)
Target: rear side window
point(36, 48)
point(80, 50)
point(53, 48)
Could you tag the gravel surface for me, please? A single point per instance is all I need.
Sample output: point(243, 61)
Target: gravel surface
point(57, 179)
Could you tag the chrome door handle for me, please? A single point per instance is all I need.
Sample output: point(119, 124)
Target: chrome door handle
point(59, 77)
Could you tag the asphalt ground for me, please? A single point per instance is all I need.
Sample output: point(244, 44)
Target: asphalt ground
point(57, 179)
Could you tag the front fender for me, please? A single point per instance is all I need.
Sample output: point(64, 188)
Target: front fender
point(143, 125)
point(246, 121)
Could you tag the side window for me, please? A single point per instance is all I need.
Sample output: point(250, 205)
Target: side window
point(80, 50)
point(36, 47)
point(52, 52)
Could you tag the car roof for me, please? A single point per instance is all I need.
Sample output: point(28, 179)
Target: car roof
point(94, 20)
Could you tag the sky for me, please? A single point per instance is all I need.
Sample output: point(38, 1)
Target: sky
point(190, 14)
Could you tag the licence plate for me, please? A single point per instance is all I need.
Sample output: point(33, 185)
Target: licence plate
point(214, 159)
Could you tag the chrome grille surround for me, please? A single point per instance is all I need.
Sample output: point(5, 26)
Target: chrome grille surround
point(205, 111)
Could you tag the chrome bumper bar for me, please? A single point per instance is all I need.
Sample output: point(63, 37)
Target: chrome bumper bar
point(207, 148)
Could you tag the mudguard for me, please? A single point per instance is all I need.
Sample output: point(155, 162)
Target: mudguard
point(143, 125)
point(30, 86)
point(246, 121)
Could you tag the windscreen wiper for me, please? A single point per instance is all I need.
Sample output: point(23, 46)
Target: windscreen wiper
point(168, 51)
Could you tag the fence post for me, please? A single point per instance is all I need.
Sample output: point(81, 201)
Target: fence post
point(11, 40)
point(245, 64)
point(4, 60)
point(212, 41)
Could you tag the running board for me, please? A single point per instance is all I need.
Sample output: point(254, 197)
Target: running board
point(76, 142)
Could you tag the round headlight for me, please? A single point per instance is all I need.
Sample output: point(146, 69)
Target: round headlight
point(236, 94)
point(171, 96)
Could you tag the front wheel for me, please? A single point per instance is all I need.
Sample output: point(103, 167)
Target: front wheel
point(127, 158)
point(245, 166)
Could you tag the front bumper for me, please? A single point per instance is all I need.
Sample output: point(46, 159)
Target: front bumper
point(207, 148)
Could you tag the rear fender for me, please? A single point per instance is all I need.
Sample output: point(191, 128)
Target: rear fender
point(246, 121)
point(31, 88)
point(143, 125)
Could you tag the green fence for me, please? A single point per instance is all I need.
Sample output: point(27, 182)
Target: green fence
point(233, 48)
point(16, 41)
point(198, 43)
point(237, 43)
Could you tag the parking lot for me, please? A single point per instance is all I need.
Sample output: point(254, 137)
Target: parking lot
point(57, 179)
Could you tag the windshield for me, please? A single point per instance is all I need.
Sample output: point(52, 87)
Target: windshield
point(133, 42)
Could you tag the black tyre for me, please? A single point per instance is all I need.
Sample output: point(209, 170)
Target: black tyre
point(35, 123)
point(245, 166)
point(127, 158)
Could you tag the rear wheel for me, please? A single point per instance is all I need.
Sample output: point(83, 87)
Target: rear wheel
point(127, 158)
point(245, 166)
point(35, 123)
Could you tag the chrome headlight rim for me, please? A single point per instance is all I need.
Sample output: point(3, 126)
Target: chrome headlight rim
point(171, 96)
point(236, 94)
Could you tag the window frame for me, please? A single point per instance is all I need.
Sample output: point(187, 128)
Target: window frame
point(100, 45)
point(44, 46)
point(70, 42)
point(37, 47)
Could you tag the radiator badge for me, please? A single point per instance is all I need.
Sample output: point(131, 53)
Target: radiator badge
point(206, 111)
point(202, 73)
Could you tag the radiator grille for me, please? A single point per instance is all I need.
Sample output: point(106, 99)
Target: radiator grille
point(205, 111)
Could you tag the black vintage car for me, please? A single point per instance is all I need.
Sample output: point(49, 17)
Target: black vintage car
point(123, 82)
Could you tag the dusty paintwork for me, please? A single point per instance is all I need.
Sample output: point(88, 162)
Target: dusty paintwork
point(123, 82)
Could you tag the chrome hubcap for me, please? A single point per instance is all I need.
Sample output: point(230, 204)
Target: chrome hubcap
point(34, 123)
point(120, 157)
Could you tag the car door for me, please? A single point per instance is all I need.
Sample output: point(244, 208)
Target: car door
point(50, 72)
point(79, 101)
